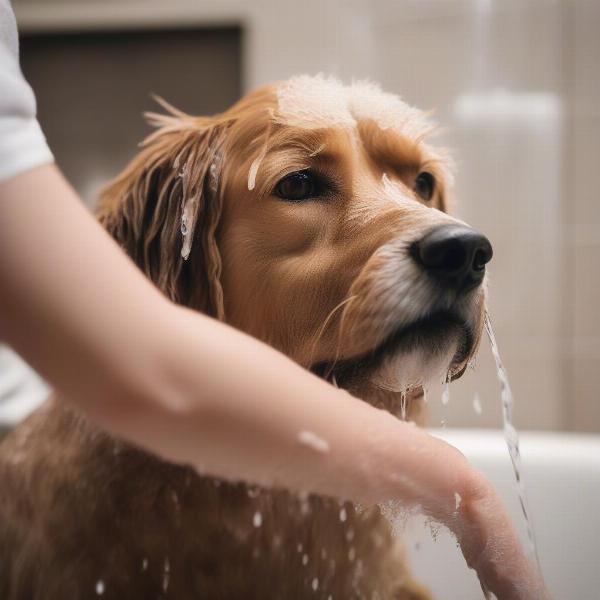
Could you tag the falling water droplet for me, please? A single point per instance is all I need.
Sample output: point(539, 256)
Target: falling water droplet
point(166, 575)
point(477, 404)
point(511, 436)
point(253, 492)
point(100, 587)
point(446, 392)
point(257, 519)
point(343, 515)
point(315, 584)
point(403, 406)
point(312, 440)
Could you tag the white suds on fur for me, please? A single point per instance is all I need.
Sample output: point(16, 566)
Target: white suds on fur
point(253, 171)
point(315, 102)
point(312, 440)
point(369, 101)
point(213, 174)
point(189, 212)
point(255, 165)
point(318, 150)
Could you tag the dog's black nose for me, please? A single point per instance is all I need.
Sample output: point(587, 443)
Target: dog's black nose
point(454, 255)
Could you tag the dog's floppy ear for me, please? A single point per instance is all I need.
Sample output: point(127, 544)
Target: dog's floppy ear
point(164, 208)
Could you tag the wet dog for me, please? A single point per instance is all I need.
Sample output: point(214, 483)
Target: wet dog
point(312, 216)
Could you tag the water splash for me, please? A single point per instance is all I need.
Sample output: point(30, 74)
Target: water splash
point(511, 436)
point(397, 515)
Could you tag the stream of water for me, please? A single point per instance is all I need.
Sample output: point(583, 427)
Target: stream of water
point(512, 437)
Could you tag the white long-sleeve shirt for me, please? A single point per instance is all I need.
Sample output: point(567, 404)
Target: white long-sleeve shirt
point(22, 143)
point(22, 147)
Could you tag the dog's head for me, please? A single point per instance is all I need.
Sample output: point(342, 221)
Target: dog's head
point(312, 216)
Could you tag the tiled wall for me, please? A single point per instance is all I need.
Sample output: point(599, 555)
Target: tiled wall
point(582, 216)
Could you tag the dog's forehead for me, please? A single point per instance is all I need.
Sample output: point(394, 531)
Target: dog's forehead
point(317, 102)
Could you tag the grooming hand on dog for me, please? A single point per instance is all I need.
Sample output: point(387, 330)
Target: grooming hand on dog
point(299, 208)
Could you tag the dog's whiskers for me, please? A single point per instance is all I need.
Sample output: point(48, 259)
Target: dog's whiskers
point(326, 322)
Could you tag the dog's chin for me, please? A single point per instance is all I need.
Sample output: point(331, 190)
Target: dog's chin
point(404, 371)
point(431, 349)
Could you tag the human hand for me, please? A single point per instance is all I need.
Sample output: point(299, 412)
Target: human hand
point(492, 548)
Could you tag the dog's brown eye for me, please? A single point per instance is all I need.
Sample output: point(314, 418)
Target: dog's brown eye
point(425, 185)
point(296, 187)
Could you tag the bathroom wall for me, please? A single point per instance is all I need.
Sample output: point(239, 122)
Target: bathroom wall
point(93, 87)
point(515, 85)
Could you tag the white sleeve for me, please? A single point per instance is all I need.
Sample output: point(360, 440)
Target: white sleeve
point(22, 143)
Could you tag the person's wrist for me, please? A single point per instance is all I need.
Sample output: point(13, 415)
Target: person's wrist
point(491, 546)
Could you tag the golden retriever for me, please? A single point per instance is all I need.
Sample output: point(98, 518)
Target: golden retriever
point(312, 216)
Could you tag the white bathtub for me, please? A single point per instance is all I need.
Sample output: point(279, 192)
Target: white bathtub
point(562, 477)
